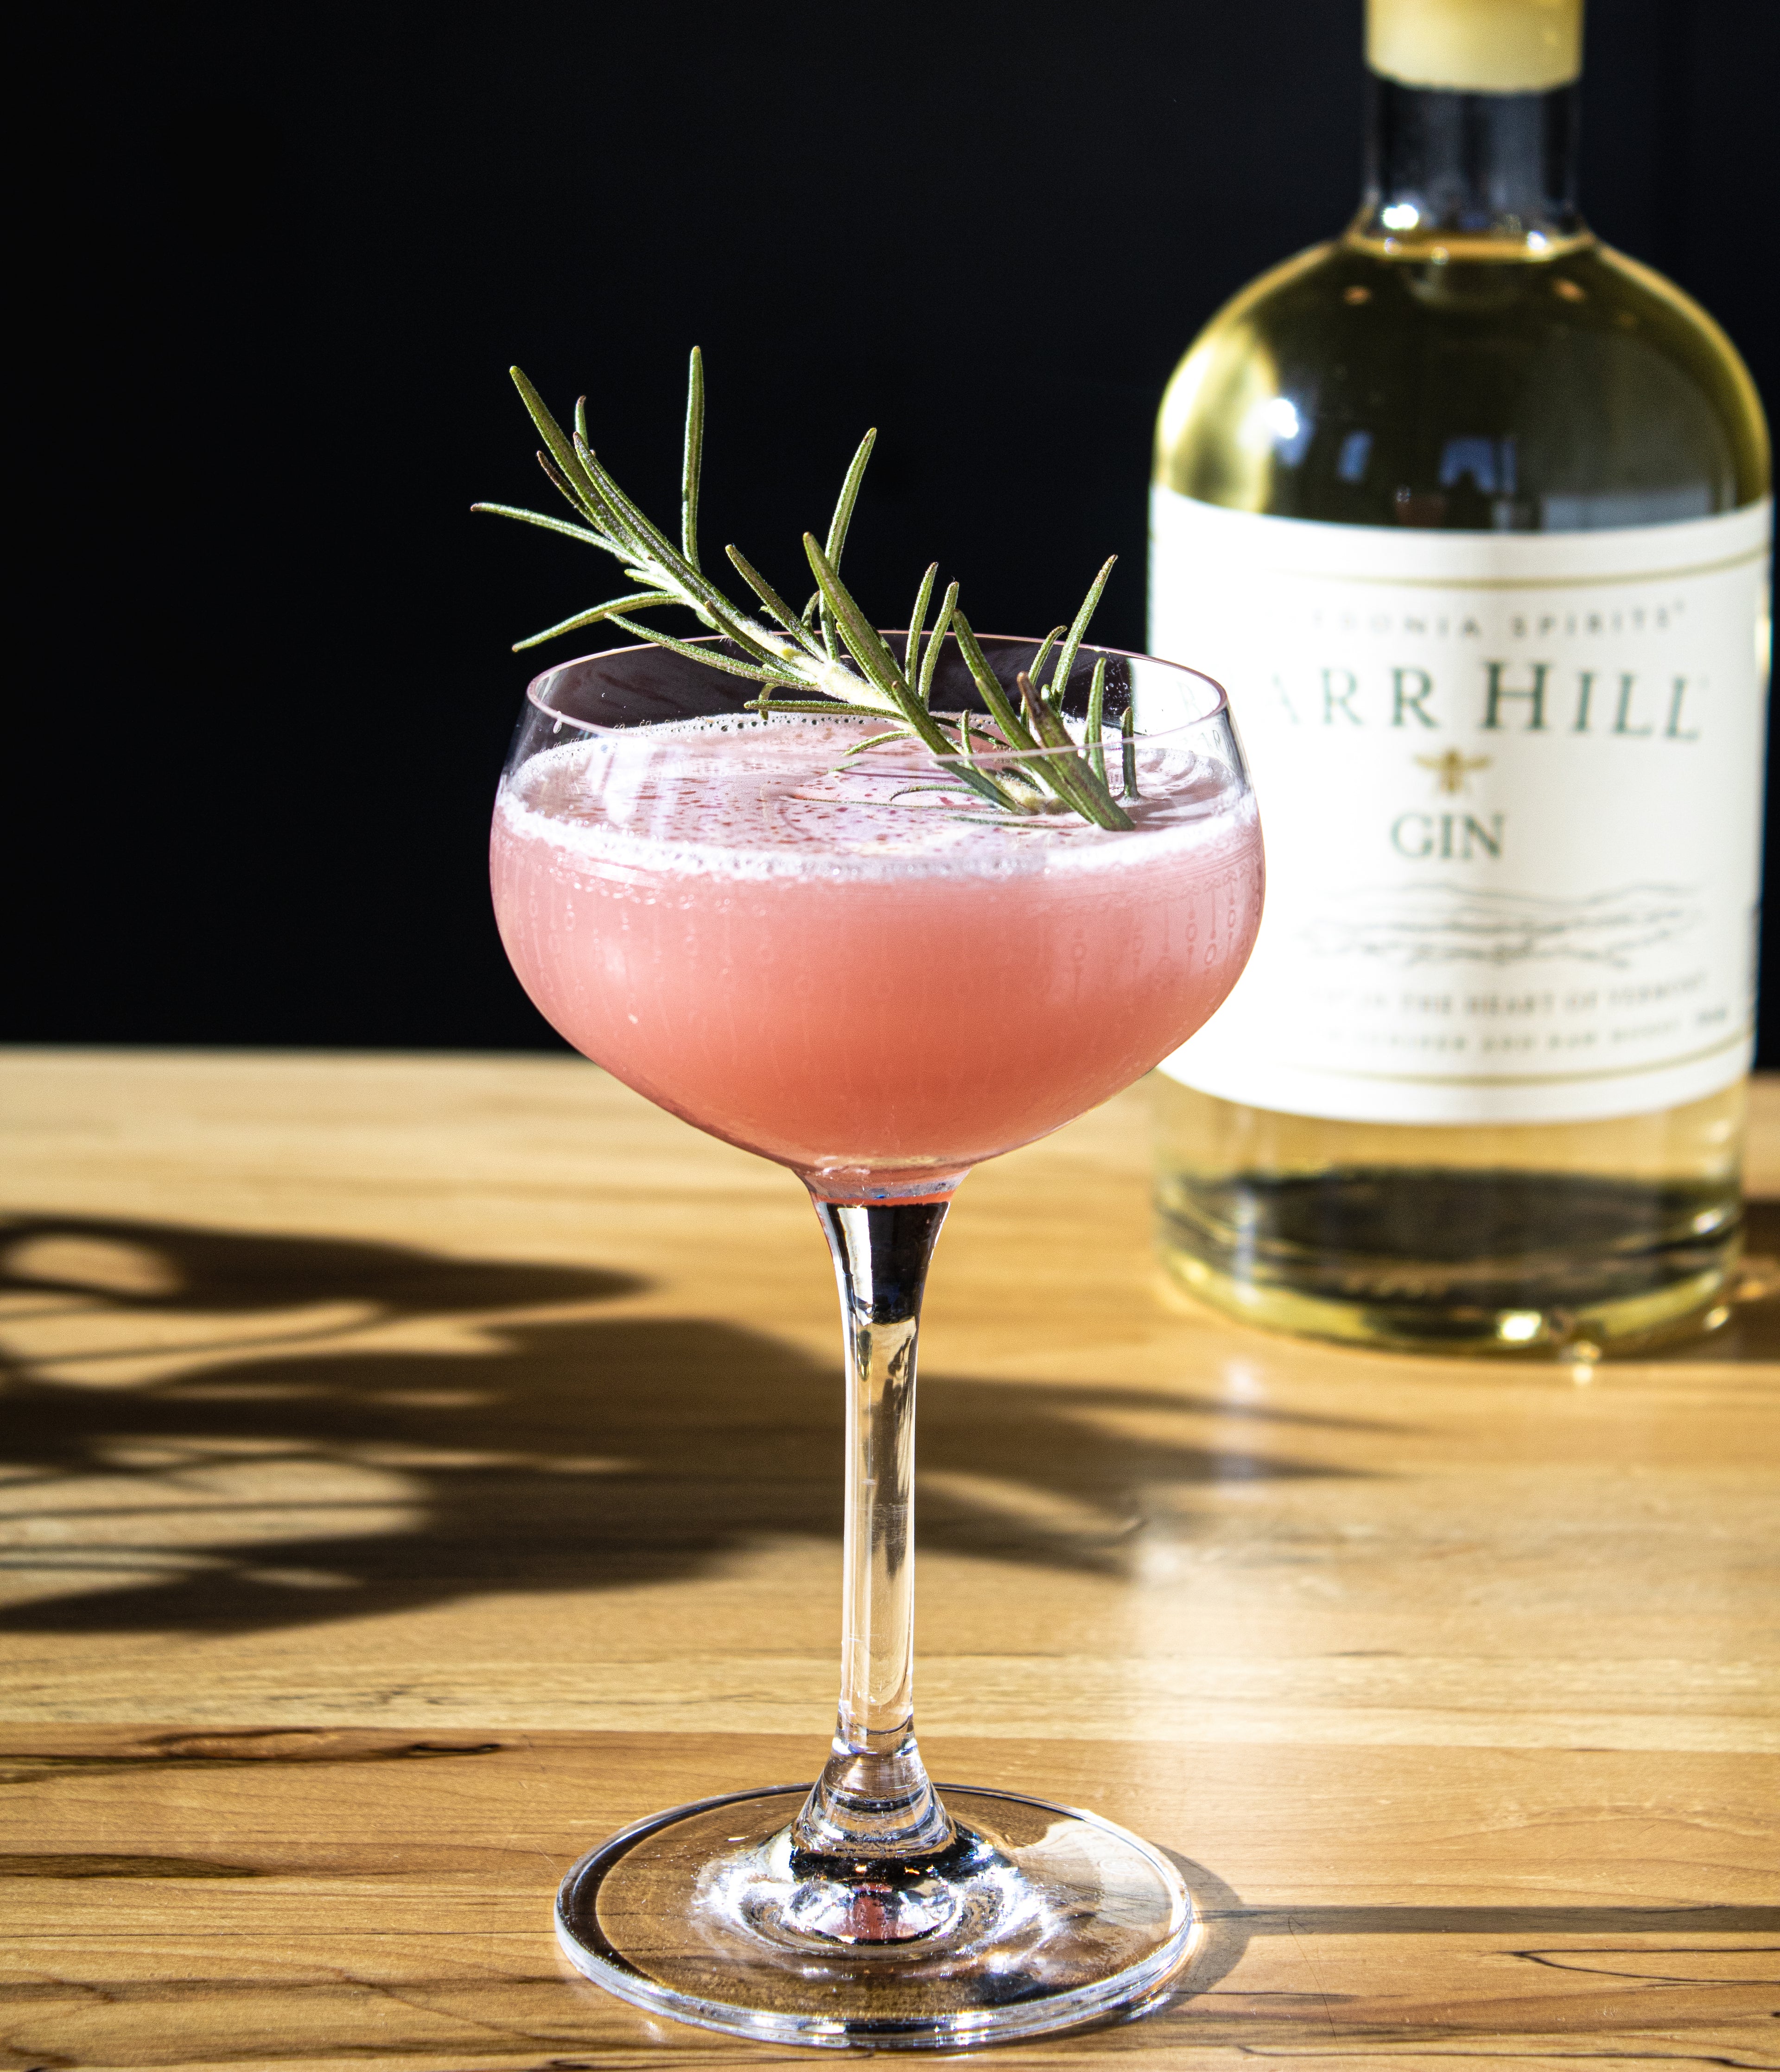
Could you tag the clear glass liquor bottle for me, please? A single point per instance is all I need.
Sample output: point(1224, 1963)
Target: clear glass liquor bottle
point(1468, 310)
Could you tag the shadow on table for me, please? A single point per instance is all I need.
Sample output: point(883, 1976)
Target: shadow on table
point(1228, 1927)
point(282, 1472)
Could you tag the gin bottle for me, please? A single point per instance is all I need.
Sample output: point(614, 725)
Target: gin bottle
point(1471, 515)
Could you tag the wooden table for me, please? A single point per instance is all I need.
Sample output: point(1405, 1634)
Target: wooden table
point(422, 1465)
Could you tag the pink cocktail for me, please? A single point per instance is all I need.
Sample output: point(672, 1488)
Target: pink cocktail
point(870, 989)
point(869, 963)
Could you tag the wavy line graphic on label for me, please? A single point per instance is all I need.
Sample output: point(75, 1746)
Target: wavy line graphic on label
point(1441, 924)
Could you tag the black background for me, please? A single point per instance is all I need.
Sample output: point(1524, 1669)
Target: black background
point(277, 260)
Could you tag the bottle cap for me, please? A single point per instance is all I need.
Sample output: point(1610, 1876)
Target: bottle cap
point(1476, 46)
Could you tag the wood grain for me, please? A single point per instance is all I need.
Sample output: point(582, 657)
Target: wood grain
point(418, 1466)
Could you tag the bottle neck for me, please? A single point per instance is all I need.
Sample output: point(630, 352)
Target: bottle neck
point(1460, 175)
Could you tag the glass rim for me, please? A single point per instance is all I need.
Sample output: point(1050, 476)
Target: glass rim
point(995, 755)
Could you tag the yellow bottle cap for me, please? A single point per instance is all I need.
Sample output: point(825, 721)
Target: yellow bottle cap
point(1476, 46)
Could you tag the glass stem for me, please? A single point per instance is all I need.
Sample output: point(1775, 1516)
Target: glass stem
point(872, 1800)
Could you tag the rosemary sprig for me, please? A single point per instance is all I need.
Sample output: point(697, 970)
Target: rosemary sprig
point(830, 655)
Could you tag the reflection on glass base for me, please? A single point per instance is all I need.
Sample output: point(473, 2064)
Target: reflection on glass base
point(1546, 1266)
point(1035, 1917)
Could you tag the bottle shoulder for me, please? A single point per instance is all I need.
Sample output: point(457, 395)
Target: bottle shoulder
point(1577, 390)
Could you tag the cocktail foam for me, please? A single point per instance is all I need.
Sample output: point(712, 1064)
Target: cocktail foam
point(793, 797)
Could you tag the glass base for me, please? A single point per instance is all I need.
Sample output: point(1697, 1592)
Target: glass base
point(1550, 1241)
point(1526, 1328)
point(1035, 1917)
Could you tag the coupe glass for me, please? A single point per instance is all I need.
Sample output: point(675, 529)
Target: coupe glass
point(841, 956)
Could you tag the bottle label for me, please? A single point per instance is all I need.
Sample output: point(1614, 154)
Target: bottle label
point(1511, 791)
